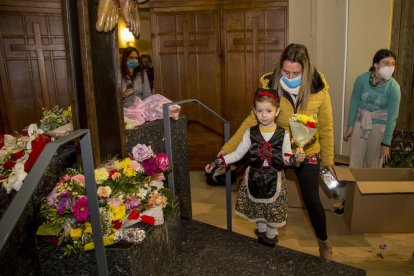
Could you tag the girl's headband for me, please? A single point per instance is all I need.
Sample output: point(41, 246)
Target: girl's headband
point(267, 92)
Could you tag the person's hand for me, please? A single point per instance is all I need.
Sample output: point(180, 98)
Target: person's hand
point(331, 170)
point(348, 132)
point(209, 167)
point(385, 153)
point(222, 152)
point(127, 91)
point(300, 156)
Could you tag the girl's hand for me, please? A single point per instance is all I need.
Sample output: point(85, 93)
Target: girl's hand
point(348, 132)
point(209, 167)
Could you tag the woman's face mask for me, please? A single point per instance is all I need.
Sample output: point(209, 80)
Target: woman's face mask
point(292, 83)
point(386, 72)
point(132, 63)
point(386, 67)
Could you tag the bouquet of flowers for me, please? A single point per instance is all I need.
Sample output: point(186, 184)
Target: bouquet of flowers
point(303, 128)
point(130, 190)
point(18, 153)
point(56, 121)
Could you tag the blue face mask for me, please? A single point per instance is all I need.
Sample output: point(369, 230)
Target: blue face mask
point(292, 83)
point(132, 63)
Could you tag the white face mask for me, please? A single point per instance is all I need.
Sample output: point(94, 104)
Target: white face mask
point(386, 72)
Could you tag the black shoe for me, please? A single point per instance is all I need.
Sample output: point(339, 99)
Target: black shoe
point(266, 241)
point(339, 211)
point(259, 234)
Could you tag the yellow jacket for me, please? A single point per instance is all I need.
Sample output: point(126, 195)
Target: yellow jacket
point(319, 103)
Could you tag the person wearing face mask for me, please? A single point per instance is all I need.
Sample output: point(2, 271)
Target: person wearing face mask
point(302, 89)
point(147, 64)
point(373, 113)
point(134, 80)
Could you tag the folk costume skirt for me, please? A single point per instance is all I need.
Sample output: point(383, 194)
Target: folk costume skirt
point(272, 211)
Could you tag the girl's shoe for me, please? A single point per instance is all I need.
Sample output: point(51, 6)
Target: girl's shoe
point(266, 241)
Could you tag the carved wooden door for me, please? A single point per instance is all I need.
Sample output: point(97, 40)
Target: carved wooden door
point(33, 68)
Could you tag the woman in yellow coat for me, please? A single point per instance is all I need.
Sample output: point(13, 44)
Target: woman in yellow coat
point(302, 89)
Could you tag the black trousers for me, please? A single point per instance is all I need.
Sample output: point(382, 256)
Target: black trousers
point(308, 178)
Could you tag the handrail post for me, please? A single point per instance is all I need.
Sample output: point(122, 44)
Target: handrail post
point(168, 148)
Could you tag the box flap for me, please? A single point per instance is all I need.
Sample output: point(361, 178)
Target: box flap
point(385, 187)
point(343, 173)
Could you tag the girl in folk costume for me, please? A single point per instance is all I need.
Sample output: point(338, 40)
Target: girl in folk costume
point(262, 197)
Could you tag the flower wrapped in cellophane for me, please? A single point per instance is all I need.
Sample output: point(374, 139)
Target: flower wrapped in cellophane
point(303, 128)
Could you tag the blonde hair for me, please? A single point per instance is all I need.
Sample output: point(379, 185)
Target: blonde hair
point(297, 53)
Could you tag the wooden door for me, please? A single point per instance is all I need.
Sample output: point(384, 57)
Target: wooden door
point(187, 66)
point(214, 51)
point(254, 35)
point(33, 68)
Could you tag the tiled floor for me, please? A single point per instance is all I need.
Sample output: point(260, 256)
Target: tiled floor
point(358, 250)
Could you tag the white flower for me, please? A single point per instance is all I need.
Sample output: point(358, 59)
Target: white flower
point(157, 183)
point(16, 178)
point(142, 193)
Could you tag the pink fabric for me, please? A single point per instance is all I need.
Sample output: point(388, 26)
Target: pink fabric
point(150, 109)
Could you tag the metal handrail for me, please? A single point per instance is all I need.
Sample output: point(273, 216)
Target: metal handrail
point(168, 148)
point(16, 207)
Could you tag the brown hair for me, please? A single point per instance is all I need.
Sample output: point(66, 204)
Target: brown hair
point(297, 53)
point(266, 95)
point(125, 73)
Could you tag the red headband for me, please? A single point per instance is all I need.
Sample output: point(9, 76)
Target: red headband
point(264, 93)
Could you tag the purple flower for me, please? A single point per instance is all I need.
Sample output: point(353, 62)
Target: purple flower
point(51, 199)
point(62, 205)
point(81, 210)
point(141, 152)
point(150, 166)
point(131, 202)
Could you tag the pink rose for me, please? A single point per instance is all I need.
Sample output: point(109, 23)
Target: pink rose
point(162, 161)
point(104, 191)
point(79, 178)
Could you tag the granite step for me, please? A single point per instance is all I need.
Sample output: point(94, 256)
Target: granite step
point(208, 250)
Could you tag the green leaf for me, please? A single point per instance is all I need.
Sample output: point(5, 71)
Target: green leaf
point(48, 229)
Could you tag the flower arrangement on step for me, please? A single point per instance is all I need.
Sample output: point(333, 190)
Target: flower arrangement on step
point(56, 122)
point(303, 128)
point(129, 191)
point(18, 153)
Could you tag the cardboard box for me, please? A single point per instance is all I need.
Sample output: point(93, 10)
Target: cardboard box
point(378, 200)
point(295, 197)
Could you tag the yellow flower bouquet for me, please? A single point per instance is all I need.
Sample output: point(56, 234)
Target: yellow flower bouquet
point(303, 128)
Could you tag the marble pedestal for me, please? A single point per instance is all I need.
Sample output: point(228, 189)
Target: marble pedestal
point(150, 257)
point(18, 256)
point(152, 134)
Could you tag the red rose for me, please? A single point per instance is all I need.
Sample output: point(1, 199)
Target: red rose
point(9, 165)
point(310, 124)
point(17, 155)
point(37, 147)
point(116, 224)
point(51, 239)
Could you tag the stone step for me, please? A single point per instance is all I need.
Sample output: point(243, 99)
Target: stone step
point(208, 250)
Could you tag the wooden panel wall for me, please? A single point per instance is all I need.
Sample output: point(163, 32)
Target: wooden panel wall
point(33, 66)
point(402, 41)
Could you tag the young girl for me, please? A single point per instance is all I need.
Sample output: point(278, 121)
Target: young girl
point(262, 196)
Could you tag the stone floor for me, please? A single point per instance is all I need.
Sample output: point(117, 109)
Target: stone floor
point(209, 250)
point(357, 250)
